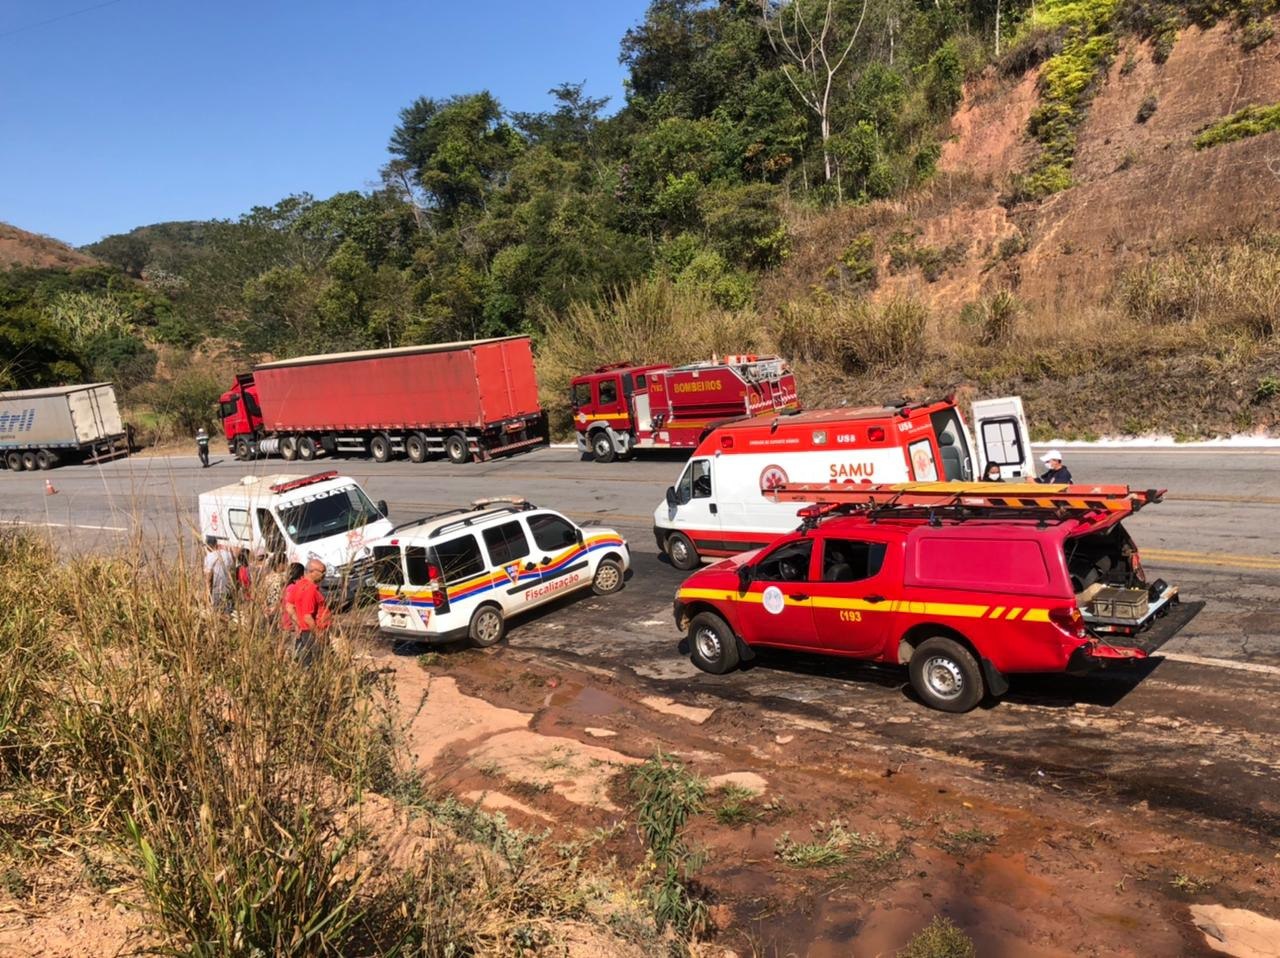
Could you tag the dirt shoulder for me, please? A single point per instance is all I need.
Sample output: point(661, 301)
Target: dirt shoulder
point(832, 837)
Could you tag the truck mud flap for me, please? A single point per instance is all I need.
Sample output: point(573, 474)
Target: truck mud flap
point(1165, 627)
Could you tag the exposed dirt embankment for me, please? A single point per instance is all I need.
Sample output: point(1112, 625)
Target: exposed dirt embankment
point(1155, 265)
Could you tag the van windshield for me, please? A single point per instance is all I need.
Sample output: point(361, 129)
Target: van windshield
point(327, 513)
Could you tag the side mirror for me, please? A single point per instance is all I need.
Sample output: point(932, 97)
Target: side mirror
point(744, 577)
point(672, 500)
point(582, 540)
point(381, 505)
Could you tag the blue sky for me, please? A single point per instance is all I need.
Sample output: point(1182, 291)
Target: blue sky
point(140, 111)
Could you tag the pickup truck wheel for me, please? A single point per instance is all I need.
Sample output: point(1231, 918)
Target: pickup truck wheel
point(608, 578)
point(602, 446)
point(29, 461)
point(14, 461)
point(712, 645)
point(946, 675)
point(380, 448)
point(487, 626)
point(415, 447)
point(288, 448)
point(244, 451)
point(457, 448)
point(681, 552)
point(45, 459)
point(306, 448)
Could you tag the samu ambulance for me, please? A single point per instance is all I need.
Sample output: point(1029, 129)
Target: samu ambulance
point(323, 516)
point(719, 506)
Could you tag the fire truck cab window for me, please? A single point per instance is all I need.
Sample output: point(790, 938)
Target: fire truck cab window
point(641, 381)
point(608, 392)
point(787, 563)
point(580, 395)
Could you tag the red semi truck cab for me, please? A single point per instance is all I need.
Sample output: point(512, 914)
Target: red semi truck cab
point(627, 406)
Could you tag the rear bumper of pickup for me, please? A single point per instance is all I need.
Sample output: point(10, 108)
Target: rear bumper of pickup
point(1132, 642)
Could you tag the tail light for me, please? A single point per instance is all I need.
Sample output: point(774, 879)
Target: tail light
point(1070, 621)
point(439, 595)
point(875, 434)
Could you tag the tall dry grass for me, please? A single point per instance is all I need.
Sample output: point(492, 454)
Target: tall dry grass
point(247, 795)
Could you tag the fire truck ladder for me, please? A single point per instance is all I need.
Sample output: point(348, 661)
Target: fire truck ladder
point(963, 500)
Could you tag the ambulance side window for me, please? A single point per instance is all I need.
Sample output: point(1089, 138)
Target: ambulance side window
point(608, 392)
point(701, 473)
point(272, 537)
point(238, 523)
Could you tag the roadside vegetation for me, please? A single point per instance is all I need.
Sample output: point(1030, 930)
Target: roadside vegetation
point(241, 804)
point(589, 225)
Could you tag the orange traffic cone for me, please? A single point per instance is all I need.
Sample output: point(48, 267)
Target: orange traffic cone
point(48, 488)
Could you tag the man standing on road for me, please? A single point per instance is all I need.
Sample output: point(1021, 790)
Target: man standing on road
point(1057, 474)
point(217, 576)
point(202, 447)
point(311, 612)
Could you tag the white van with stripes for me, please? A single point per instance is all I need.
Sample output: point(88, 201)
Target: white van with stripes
point(461, 574)
point(720, 504)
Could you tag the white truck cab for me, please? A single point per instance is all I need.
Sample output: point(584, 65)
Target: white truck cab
point(463, 573)
point(323, 516)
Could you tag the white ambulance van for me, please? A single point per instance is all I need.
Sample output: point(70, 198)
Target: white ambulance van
point(719, 506)
point(324, 516)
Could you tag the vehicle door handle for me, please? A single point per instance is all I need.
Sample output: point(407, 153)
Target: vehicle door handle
point(546, 560)
point(799, 596)
point(529, 567)
point(874, 599)
point(714, 510)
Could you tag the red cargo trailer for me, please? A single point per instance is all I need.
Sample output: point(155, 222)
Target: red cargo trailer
point(626, 406)
point(476, 398)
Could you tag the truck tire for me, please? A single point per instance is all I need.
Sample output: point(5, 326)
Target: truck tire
point(487, 626)
point(681, 552)
point(45, 459)
point(244, 451)
point(380, 448)
point(307, 448)
point(602, 446)
point(712, 645)
point(14, 461)
point(288, 448)
point(608, 578)
point(415, 447)
point(946, 675)
point(29, 460)
point(457, 448)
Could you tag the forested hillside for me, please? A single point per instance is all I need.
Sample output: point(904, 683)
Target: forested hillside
point(901, 195)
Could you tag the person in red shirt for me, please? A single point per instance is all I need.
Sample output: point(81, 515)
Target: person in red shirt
point(289, 624)
point(310, 612)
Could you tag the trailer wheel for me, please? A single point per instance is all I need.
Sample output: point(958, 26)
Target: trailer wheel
point(681, 552)
point(244, 451)
point(29, 460)
point(380, 448)
point(415, 447)
point(946, 675)
point(487, 626)
point(457, 448)
point(306, 448)
point(45, 459)
point(712, 645)
point(14, 461)
point(288, 448)
point(602, 446)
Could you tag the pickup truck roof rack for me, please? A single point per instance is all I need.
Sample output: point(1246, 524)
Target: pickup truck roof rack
point(962, 500)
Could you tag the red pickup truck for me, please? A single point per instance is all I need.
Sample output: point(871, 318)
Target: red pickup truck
point(961, 584)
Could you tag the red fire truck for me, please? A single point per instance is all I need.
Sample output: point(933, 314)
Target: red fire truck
point(627, 406)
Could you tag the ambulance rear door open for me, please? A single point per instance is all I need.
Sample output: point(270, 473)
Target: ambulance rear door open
point(1001, 435)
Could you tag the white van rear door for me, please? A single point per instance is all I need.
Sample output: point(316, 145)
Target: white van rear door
point(1000, 431)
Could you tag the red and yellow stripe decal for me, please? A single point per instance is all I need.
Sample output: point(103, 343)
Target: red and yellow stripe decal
point(954, 610)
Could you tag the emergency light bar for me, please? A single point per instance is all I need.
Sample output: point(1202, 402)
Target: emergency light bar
point(974, 498)
point(305, 481)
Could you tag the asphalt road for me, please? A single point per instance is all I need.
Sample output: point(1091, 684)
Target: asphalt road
point(1192, 732)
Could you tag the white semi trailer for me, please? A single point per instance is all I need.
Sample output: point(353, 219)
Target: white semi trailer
point(43, 428)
